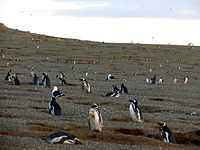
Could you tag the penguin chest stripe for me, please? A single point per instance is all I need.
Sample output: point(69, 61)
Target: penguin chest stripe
point(166, 136)
point(58, 139)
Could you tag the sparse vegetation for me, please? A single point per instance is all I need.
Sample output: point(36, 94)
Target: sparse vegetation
point(24, 109)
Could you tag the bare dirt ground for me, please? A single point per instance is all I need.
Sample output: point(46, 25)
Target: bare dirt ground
point(24, 117)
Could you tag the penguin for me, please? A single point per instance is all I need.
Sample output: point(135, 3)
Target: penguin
point(175, 80)
point(186, 80)
point(35, 80)
point(62, 78)
point(16, 80)
point(115, 92)
point(95, 119)
point(154, 80)
point(160, 80)
point(123, 89)
point(110, 77)
point(45, 80)
point(8, 76)
point(135, 111)
point(85, 85)
point(166, 133)
point(56, 92)
point(2, 54)
point(62, 138)
point(148, 80)
point(115, 88)
point(54, 107)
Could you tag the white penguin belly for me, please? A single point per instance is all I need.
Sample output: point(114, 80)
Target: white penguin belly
point(133, 115)
point(94, 120)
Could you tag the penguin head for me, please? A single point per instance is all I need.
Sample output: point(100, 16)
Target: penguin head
point(108, 77)
point(55, 88)
point(82, 79)
point(94, 105)
point(44, 74)
point(162, 124)
point(133, 101)
point(14, 76)
point(77, 141)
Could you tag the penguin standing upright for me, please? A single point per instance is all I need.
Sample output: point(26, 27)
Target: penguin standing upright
point(54, 107)
point(62, 78)
point(8, 76)
point(35, 79)
point(160, 80)
point(95, 119)
point(16, 80)
point(186, 80)
point(45, 80)
point(175, 80)
point(124, 89)
point(135, 111)
point(85, 85)
point(154, 80)
point(166, 133)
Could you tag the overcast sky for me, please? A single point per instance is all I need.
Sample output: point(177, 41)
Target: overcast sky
point(142, 21)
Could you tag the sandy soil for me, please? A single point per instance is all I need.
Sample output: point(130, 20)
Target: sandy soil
point(24, 117)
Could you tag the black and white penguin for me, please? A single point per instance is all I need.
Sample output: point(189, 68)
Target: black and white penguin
point(35, 80)
point(154, 79)
point(166, 133)
point(8, 76)
point(62, 138)
point(135, 111)
point(62, 78)
point(85, 85)
point(111, 77)
point(115, 88)
point(56, 92)
point(45, 80)
point(16, 80)
point(54, 107)
point(95, 119)
point(160, 80)
point(175, 80)
point(186, 80)
point(148, 80)
point(115, 92)
point(124, 89)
